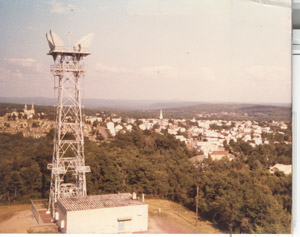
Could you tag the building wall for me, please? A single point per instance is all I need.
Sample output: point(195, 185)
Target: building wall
point(113, 220)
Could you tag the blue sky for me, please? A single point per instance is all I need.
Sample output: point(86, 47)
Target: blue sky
point(223, 50)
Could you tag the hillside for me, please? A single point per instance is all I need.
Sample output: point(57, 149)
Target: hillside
point(233, 111)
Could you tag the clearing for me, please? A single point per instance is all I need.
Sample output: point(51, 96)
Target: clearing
point(19, 219)
point(165, 217)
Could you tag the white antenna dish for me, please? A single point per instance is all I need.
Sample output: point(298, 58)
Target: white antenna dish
point(84, 43)
point(50, 42)
point(57, 41)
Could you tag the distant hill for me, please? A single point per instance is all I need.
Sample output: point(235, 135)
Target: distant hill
point(123, 104)
point(233, 111)
point(171, 109)
point(102, 103)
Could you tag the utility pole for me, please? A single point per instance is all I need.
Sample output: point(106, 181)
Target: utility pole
point(197, 197)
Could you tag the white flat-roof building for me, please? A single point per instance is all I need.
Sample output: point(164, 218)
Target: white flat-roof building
point(286, 169)
point(102, 214)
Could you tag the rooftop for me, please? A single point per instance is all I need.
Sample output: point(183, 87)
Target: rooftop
point(220, 153)
point(99, 201)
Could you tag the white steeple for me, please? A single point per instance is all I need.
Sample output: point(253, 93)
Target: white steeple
point(161, 115)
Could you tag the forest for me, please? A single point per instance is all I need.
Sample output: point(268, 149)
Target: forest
point(239, 196)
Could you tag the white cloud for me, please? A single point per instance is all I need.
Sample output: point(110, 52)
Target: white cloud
point(23, 62)
point(110, 69)
point(165, 72)
point(27, 64)
point(270, 74)
point(9, 74)
point(61, 8)
point(205, 74)
point(162, 70)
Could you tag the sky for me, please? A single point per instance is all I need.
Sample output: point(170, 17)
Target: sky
point(187, 50)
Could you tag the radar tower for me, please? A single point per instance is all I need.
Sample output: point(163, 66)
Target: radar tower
point(68, 167)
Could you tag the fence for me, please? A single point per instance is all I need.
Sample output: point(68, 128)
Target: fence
point(37, 205)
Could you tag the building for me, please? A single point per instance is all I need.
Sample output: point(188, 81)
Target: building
point(105, 214)
point(29, 112)
point(111, 128)
point(181, 138)
point(218, 155)
point(286, 169)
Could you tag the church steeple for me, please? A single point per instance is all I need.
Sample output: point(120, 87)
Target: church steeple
point(161, 115)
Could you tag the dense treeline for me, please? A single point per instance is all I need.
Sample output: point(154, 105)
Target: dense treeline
point(145, 163)
point(239, 196)
point(231, 192)
point(23, 167)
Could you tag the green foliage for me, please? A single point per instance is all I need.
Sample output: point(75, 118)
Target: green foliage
point(230, 191)
point(144, 162)
point(23, 167)
point(157, 165)
point(219, 128)
point(266, 155)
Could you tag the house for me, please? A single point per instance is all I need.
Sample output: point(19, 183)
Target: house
point(102, 214)
point(247, 138)
point(142, 126)
point(181, 138)
point(286, 169)
point(111, 128)
point(129, 127)
point(218, 155)
point(283, 126)
point(118, 128)
point(116, 120)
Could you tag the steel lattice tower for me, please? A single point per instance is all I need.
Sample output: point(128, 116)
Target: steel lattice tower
point(68, 165)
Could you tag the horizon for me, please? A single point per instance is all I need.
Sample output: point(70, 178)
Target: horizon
point(149, 101)
point(155, 50)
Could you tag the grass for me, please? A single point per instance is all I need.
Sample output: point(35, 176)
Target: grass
point(43, 230)
point(8, 211)
point(176, 212)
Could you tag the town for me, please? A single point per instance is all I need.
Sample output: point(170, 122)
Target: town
point(207, 136)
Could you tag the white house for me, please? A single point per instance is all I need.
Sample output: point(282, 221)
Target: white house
point(181, 138)
point(247, 138)
point(102, 214)
point(116, 120)
point(118, 128)
point(129, 127)
point(286, 169)
point(142, 126)
point(283, 126)
point(111, 127)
